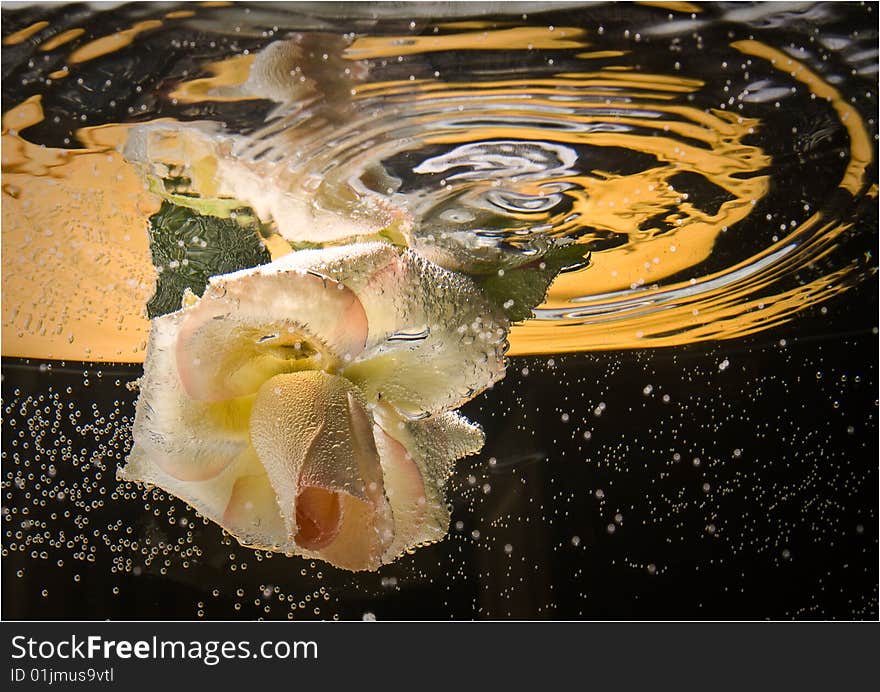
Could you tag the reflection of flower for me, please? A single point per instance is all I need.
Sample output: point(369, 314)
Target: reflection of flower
point(305, 405)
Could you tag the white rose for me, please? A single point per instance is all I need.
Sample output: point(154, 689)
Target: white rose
point(306, 405)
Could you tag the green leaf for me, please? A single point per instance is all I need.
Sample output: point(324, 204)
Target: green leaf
point(177, 191)
point(188, 248)
point(516, 291)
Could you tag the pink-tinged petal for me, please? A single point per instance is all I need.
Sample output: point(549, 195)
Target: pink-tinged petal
point(405, 489)
point(200, 465)
point(210, 497)
point(252, 514)
point(434, 339)
point(239, 498)
point(314, 437)
point(257, 323)
point(185, 439)
point(417, 458)
point(364, 534)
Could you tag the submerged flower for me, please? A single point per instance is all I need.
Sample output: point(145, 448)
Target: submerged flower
point(306, 405)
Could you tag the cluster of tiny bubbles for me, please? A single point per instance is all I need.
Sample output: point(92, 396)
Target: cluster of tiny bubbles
point(69, 524)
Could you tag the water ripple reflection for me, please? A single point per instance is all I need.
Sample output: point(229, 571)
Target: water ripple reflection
point(716, 167)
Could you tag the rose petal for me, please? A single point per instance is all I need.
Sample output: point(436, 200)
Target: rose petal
point(405, 489)
point(195, 450)
point(313, 435)
point(434, 340)
point(166, 418)
point(319, 63)
point(434, 444)
point(210, 497)
point(417, 458)
point(252, 514)
point(318, 517)
point(256, 323)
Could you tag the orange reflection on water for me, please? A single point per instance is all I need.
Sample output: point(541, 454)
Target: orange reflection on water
point(76, 263)
point(23, 35)
point(861, 152)
point(662, 232)
point(720, 307)
point(515, 38)
point(61, 39)
point(113, 42)
point(231, 72)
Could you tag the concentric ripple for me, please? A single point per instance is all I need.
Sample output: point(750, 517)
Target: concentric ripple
point(715, 165)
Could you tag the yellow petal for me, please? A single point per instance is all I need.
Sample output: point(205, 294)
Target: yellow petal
point(254, 520)
point(252, 513)
point(199, 451)
point(260, 322)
